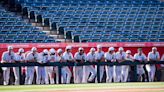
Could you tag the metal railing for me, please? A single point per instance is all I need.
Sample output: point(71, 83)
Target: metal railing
point(61, 64)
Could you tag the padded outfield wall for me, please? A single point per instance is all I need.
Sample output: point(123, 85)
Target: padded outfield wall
point(127, 46)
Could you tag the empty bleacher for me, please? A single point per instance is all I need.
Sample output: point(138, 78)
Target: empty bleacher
point(102, 20)
point(14, 29)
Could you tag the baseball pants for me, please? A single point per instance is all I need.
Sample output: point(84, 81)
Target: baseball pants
point(16, 74)
point(125, 73)
point(41, 75)
point(78, 74)
point(66, 75)
point(29, 75)
point(6, 75)
point(86, 72)
point(101, 73)
point(109, 73)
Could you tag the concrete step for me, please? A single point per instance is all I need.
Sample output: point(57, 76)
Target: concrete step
point(57, 36)
point(64, 40)
point(54, 34)
point(47, 32)
point(61, 40)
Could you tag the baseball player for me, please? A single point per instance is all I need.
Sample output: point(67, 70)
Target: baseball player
point(59, 58)
point(152, 56)
point(31, 57)
point(120, 57)
point(126, 68)
point(140, 56)
point(99, 55)
point(89, 69)
point(19, 57)
point(41, 74)
point(162, 59)
point(79, 57)
point(68, 57)
point(7, 57)
point(50, 70)
point(110, 57)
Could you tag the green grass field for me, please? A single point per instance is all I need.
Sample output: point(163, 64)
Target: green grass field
point(65, 87)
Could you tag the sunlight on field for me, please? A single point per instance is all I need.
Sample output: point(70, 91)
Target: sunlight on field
point(66, 87)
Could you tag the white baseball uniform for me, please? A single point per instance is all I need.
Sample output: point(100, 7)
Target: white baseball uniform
point(66, 73)
point(98, 56)
point(140, 69)
point(89, 69)
point(7, 58)
point(126, 68)
point(151, 68)
point(63, 73)
point(109, 69)
point(18, 58)
point(50, 69)
point(41, 74)
point(30, 69)
point(78, 70)
point(58, 59)
point(162, 59)
point(119, 69)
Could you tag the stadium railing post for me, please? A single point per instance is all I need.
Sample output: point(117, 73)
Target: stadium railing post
point(59, 72)
point(20, 75)
point(135, 73)
point(98, 72)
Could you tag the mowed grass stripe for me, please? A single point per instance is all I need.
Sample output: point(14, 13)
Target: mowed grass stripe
point(81, 86)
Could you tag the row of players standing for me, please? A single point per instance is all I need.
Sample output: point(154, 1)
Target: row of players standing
point(81, 74)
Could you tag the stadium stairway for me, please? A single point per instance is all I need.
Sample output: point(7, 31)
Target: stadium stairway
point(101, 20)
point(96, 20)
point(51, 32)
point(13, 7)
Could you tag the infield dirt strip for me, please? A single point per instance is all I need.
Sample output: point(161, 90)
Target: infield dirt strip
point(112, 90)
point(95, 87)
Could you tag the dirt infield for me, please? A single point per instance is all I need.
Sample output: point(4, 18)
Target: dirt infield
point(112, 90)
point(93, 87)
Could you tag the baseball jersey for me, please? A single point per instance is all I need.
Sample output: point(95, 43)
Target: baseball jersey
point(108, 56)
point(19, 57)
point(91, 57)
point(80, 57)
point(67, 56)
point(142, 57)
point(43, 58)
point(53, 58)
point(30, 56)
point(130, 57)
point(162, 59)
point(153, 56)
point(8, 57)
point(120, 56)
point(59, 58)
point(99, 55)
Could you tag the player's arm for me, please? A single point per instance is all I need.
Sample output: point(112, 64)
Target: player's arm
point(149, 57)
point(102, 59)
point(88, 59)
point(106, 58)
point(72, 59)
point(76, 58)
point(30, 58)
point(4, 59)
point(118, 58)
point(84, 58)
point(135, 58)
point(145, 58)
point(158, 57)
